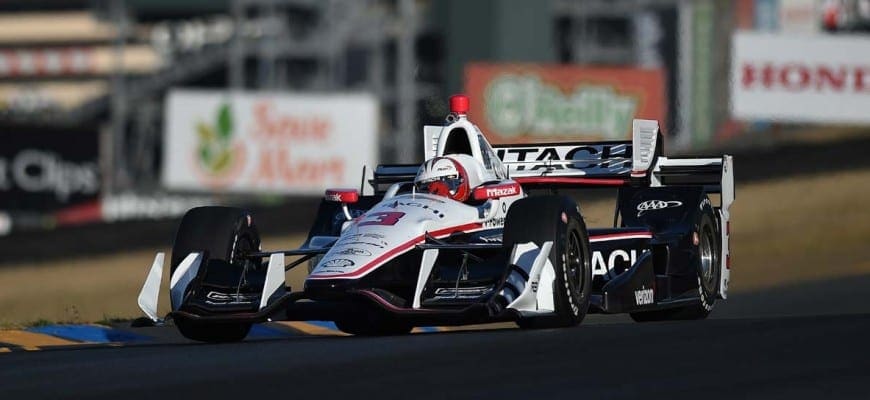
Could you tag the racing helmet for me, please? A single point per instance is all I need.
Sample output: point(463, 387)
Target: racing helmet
point(447, 176)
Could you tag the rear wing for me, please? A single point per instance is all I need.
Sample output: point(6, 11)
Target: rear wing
point(638, 162)
point(605, 163)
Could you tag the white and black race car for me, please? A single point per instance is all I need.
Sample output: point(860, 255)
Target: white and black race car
point(468, 238)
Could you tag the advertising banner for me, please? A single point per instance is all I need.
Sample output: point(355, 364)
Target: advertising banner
point(267, 142)
point(520, 103)
point(793, 78)
point(48, 169)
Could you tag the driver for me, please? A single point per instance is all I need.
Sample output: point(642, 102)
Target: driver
point(452, 176)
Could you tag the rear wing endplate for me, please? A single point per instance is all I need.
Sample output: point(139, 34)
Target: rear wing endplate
point(715, 174)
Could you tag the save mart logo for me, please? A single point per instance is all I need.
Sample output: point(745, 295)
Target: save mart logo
point(219, 157)
point(517, 105)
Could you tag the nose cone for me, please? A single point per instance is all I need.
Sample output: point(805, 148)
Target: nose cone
point(388, 230)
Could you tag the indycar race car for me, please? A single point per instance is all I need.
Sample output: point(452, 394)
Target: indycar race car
point(475, 234)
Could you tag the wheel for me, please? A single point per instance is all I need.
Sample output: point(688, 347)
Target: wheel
point(708, 267)
point(557, 219)
point(226, 234)
point(372, 323)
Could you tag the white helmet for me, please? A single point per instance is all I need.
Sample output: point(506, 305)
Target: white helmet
point(452, 176)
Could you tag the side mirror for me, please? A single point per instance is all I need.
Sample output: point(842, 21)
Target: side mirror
point(343, 196)
point(346, 196)
point(497, 191)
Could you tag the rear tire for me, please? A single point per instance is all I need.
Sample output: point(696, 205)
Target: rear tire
point(707, 266)
point(557, 219)
point(224, 233)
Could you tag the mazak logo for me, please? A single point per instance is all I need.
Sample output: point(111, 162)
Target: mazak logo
point(501, 191)
point(523, 104)
point(651, 205)
point(643, 296)
point(218, 157)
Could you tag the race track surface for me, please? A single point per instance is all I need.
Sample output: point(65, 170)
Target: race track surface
point(806, 341)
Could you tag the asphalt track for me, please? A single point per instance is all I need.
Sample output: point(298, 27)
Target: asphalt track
point(805, 341)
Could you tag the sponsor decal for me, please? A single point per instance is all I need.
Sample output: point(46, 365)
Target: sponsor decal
point(329, 271)
point(652, 205)
point(381, 245)
point(370, 239)
point(602, 264)
point(462, 292)
point(502, 191)
point(643, 296)
point(231, 298)
point(608, 158)
point(495, 222)
point(358, 236)
point(338, 263)
point(491, 238)
point(353, 251)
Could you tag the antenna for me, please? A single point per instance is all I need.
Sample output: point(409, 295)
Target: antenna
point(362, 182)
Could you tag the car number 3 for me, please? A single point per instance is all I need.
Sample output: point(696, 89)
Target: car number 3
point(382, 218)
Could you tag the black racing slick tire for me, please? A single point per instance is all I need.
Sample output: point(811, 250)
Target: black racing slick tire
point(555, 218)
point(223, 233)
point(707, 266)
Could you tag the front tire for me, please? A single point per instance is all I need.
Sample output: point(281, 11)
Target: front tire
point(223, 233)
point(557, 219)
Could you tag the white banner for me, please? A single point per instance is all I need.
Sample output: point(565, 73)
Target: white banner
point(267, 142)
point(801, 78)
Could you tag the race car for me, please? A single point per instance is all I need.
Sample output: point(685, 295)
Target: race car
point(475, 234)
